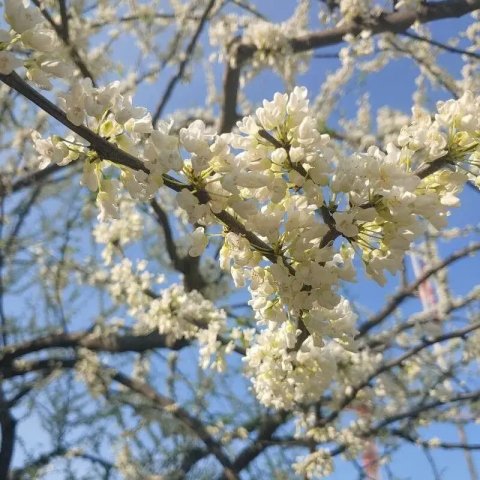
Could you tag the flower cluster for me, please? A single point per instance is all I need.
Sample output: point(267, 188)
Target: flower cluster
point(271, 42)
point(112, 114)
point(298, 211)
point(30, 33)
point(187, 315)
point(290, 188)
point(292, 199)
point(283, 377)
point(177, 314)
point(352, 10)
point(317, 464)
point(117, 233)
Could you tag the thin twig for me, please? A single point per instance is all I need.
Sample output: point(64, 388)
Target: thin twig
point(183, 64)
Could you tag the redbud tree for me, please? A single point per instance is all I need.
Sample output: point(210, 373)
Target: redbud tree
point(209, 270)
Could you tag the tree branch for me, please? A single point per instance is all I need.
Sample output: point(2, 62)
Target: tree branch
point(442, 46)
point(62, 32)
point(404, 293)
point(183, 64)
point(7, 428)
point(46, 458)
point(396, 22)
point(266, 430)
point(159, 401)
point(433, 444)
point(462, 333)
point(98, 343)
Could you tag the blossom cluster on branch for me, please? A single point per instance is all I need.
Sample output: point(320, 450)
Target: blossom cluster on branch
point(309, 210)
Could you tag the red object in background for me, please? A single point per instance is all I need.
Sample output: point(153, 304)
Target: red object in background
point(370, 458)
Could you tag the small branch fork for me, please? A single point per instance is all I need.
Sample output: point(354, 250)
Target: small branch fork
point(396, 22)
point(195, 425)
point(62, 31)
point(398, 298)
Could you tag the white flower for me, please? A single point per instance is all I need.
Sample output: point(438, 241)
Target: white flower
point(5, 36)
point(107, 199)
point(91, 176)
point(314, 465)
point(352, 9)
point(297, 106)
point(161, 150)
point(461, 114)
point(198, 242)
point(345, 223)
point(20, 17)
point(187, 200)
point(195, 139)
point(39, 77)
point(8, 63)
point(273, 113)
point(273, 364)
point(74, 101)
point(56, 67)
point(50, 150)
point(135, 119)
point(41, 39)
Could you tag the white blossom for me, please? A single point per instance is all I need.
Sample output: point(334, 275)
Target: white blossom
point(8, 63)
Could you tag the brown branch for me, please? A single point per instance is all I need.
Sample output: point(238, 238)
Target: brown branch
point(183, 64)
point(432, 316)
point(266, 430)
point(162, 219)
point(236, 227)
point(133, 18)
point(195, 425)
point(44, 459)
point(64, 17)
point(188, 266)
point(440, 45)
point(266, 423)
point(109, 151)
point(250, 9)
point(462, 333)
point(33, 178)
point(158, 401)
point(7, 429)
point(396, 22)
point(432, 167)
point(429, 444)
point(104, 148)
point(62, 32)
point(416, 411)
point(46, 365)
point(231, 84)
point(410, 414)
point(112, 343)
point(404, 293)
